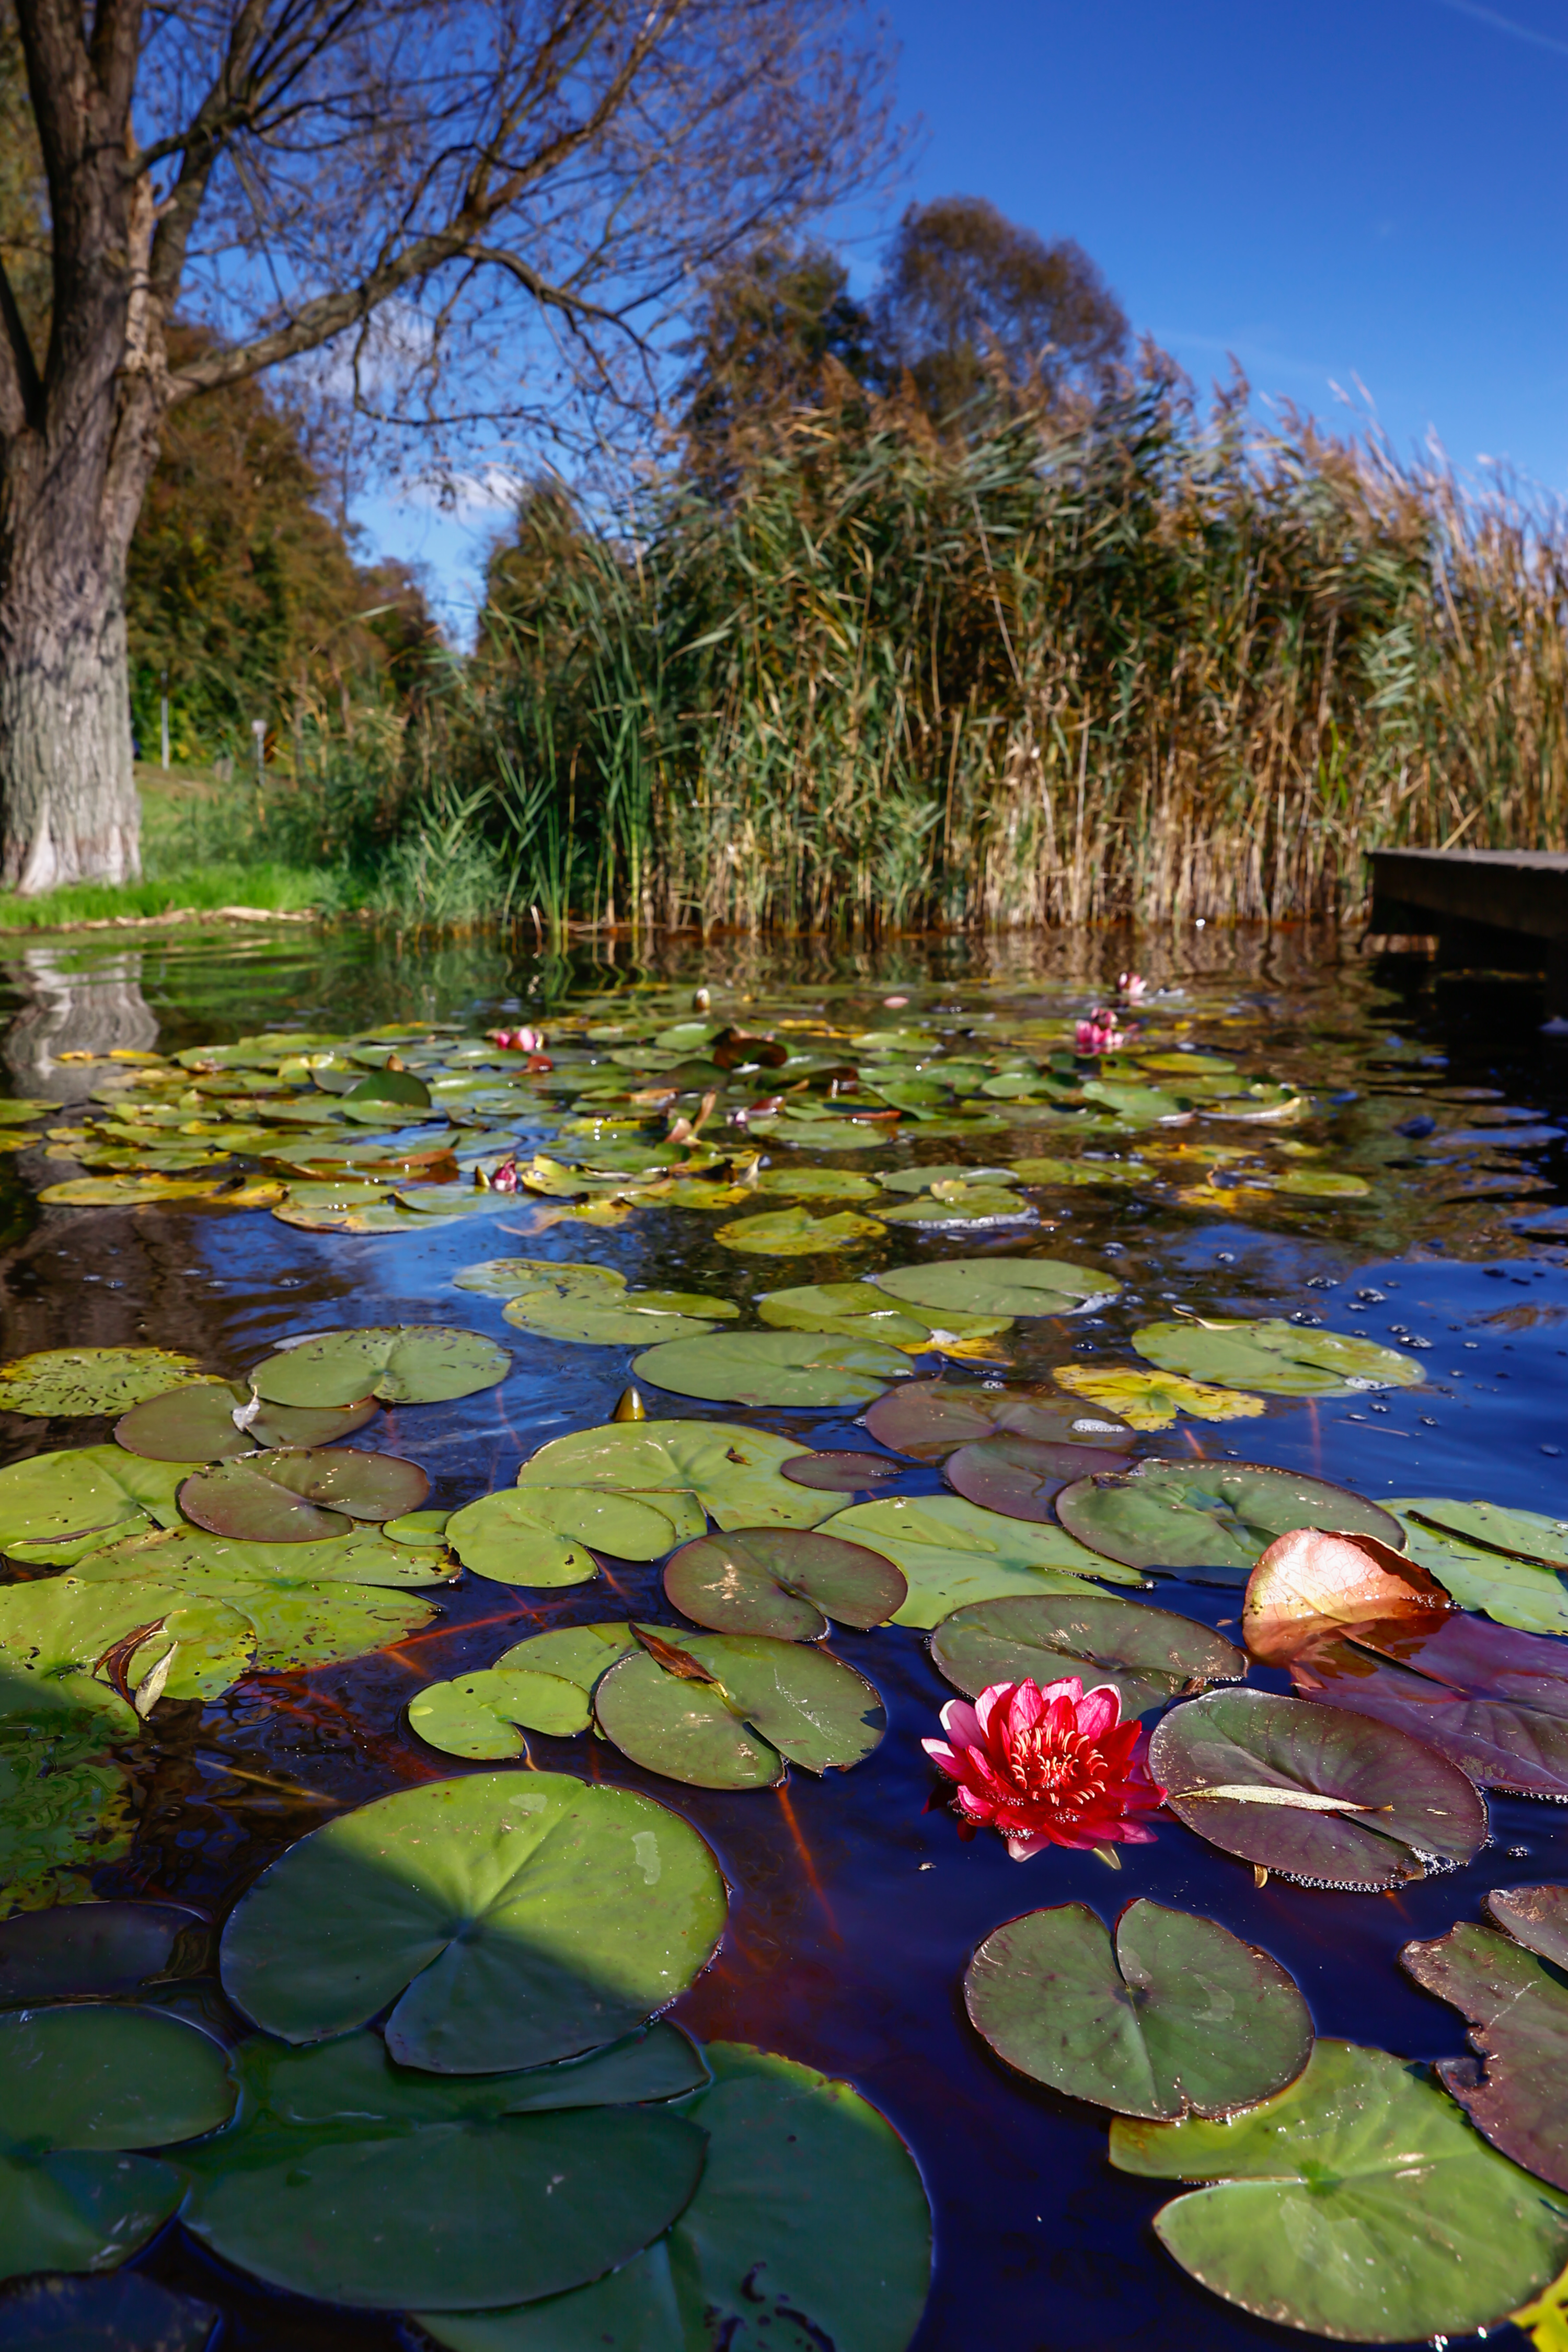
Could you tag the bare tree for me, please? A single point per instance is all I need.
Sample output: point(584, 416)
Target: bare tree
point(483, 210)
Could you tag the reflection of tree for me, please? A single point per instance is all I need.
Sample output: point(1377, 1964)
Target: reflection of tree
point(68, 1009)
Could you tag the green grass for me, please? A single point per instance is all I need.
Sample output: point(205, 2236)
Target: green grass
point(285, 890)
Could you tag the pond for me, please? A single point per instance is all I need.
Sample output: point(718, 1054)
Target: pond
point(1282, 1208)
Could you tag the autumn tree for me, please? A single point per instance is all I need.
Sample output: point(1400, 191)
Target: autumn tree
point(962, 284)
point(480, 211)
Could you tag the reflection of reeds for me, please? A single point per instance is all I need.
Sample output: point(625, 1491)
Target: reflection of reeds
point(1133, 667)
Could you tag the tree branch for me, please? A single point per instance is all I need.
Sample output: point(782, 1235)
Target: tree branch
point(21, 390)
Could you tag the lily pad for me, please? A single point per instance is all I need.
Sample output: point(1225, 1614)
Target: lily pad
point(785, 1582)
point(1150, 1656)
point(920, 1180)
point(1310, 1586)
point(57, 1635)
point(817, 1185)
point(955, 1205)
point(931, 1419)
point(1359, 2204)
point(720, 1467)
point(1316, 1793)
point(951, 1553)
point(415, 1363)
point(56, 1507)
point(541, 1535)
point(1516, 2006)
point(719, 1710)
point(302, 1494)
point(1152, 1400)
point(79, 2087)
point(1177, 2017)
point(857, 1310)
point(484, 1715)
point(65, 1382)
point(516, 1277)
point(1504, 1563)
point(77, 1951)
point(1279, 1358)
point(1212, 1518)
point(511, 1918)
point(1000, 1286)
point(1535, 1917)
point(114, 2311)
point(778, 1368)
point(842, 1473)
point(795, 1232)
point(198, 1425)
point(121, 1193)
point(582, 1654)
point(1020, 1476)
point(810, 2215)
point(627, 1324)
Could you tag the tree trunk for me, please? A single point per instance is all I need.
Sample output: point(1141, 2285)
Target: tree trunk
point(68, 810)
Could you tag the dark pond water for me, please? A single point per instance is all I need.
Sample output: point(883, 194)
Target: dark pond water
point(854, 1906)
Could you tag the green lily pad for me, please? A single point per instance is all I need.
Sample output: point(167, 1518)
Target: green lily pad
point(719, 1710)
point(1213, 1519)
point(1000, 1286)
point(785, 1582)
point(920, 1180)
point(399, 1086)
point(65, 1381)
point(56, 1507)
point(857, 1310)
point(1177, 2017)
point(1326, 1797)
point(582, 1654)
point(484, 1715)
point(1359, 2203)
point(1149, 1656)
point(415, 1363)
point(55, 1632)
point(720, 1467)
point(302, 1494)
point(778, 1368)
point(817, 1185)
point(75, 1951)
point(516, 1277)
point(197, 1424)
point(1021, 1476)
point(931, 1419)
point(627, 1324)
point(795, 1232)
point(357, 2075)
point(79, 2087)
point(1504, 1563)
point(524, 1917)
point(954, 1206)
point(1279, 1358)
point(809, 2215)
point(64, 1805)
point(951, 1553)
point(1516, 2006)
point(541, 1535)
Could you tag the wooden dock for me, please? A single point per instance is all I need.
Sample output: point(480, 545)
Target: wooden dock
point(1503, 908)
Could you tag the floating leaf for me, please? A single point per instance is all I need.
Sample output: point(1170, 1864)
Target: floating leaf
point(1279, 1358)
point(516, 1277)
point(800, 1703)
point(512, 1918)
point(1000, 1286)
point(957, 1204)
point(114, 2311)
point(795, 1232)
point(1504, 1563)
point(65, 1807)
point(857, 1310)
point(1407, 1808)
point(198, 1424)
point(930, 1419)
point(721, 1468)
point(1535, 1917)
point(1212, 1518)
point(1516, 2006)
point(483, 1715)
point(302, 1494)
point(845, 1473)
point(541, 1535)
point(952, 1553)
point(1152, 1400)
point(1019, 1476)
point(810, 2213)
point(582, 1654)
point(817, 1185)
point(78, 1951)
point(56, 1507)
point(1320, 1184)
point(630, 1323)
point(65, 1382)
point(920, 1180)
point(778, 1368)
point(123, 1192)
point(1358, 2204)
point(399, 1086)
point(413, 1363)
point(78, 2088)
point(1310, 1586)
point(785, 1582)
point(1149, 1655)
point(55, 1632)
point(1178, 2017)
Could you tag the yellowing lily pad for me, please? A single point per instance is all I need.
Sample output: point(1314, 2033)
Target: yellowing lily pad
point(1152, 1400)
point(795, 1232)
point(1280, 1358)
point(65, 1382)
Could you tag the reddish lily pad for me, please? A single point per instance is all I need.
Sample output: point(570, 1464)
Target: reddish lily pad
point(302, 1496)
point(197, 1424)
point(1316, 1793)
point(1517, 2008)
point(841, 1473)
point(1022, 1476)
point(1535, 1917)
point(929, 1420)
point(1179, 2017)
point(786, 1581)
point(1149, 1655)
point(1212, 1518)
point(1313, 1584)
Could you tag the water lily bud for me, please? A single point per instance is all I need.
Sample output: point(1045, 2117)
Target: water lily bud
point(629, 1406)
point(701, 1001)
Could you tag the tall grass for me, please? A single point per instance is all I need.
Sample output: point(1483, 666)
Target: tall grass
point(1132, 666)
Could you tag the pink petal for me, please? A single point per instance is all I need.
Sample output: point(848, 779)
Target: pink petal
point(1099, 1710)
point(993, 1697)
point(961, 1724)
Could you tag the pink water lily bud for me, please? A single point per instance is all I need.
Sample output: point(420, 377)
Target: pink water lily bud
point(1100, 1034)
point(1131, 986)
point(506, 1178)
point(519, 1041)
point(1048, 1766)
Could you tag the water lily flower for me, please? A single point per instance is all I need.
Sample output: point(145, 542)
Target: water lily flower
point(507, 1178)
point(1131, 986)
point(520, 1041)
point(1100, 1034)
point(1048, 1766)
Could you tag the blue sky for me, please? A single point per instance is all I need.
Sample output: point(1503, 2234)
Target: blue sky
point(1372, 189)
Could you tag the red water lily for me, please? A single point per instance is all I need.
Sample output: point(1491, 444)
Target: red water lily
point(1051, 1767)
point(1100, 1034)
